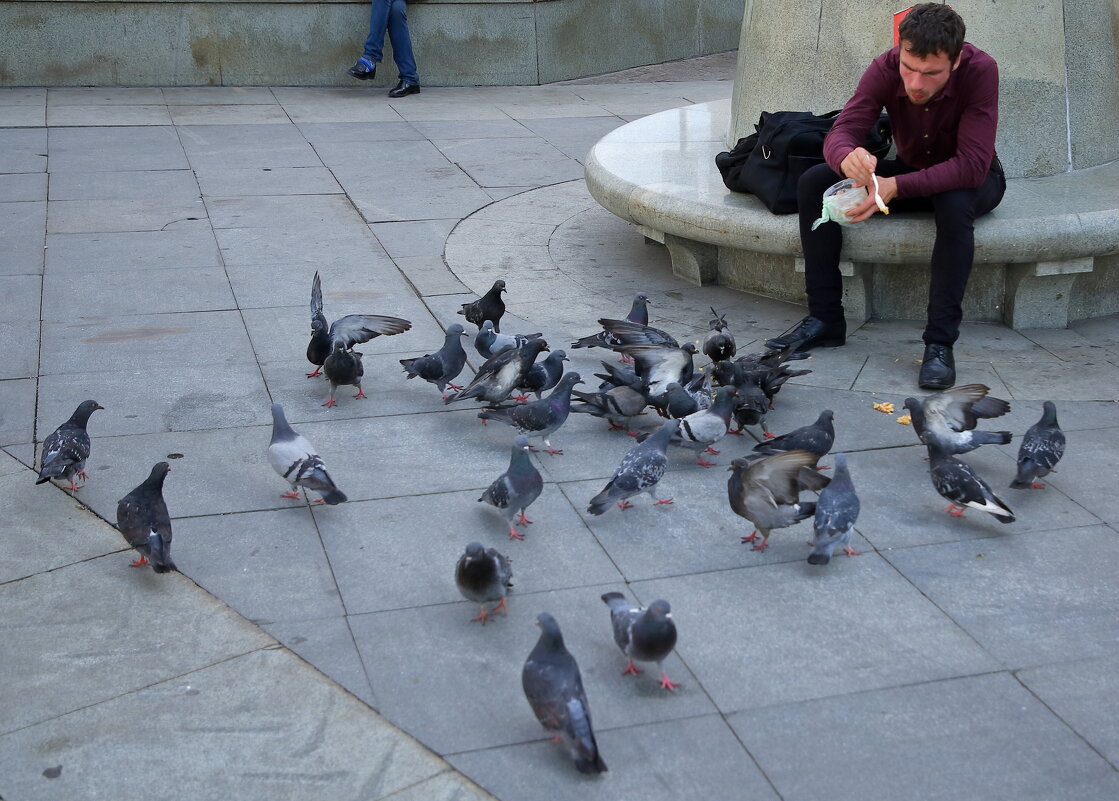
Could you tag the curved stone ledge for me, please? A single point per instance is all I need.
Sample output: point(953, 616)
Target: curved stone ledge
point(659, 173)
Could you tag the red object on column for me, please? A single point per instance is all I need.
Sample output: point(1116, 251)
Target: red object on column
point(898, 17)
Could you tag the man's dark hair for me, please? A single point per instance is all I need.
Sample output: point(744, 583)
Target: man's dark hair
point(931, 28)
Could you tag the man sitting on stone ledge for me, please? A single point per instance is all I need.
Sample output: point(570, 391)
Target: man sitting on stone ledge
point(942, 97)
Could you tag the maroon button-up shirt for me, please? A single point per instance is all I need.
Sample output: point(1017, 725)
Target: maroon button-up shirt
point(950, 140)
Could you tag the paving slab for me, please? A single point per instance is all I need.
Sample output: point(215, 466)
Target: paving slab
point(653, 761)
point(85, 216)
point(919, 742)
point(27, 186)
point(1031, 599)
point(20, 358)
point(328, 645)
point(181, 247)
point(59, 116)
point(17, 400)
point(462, 668)
point(72, 652)
point(1084, 471)
point(271, 567)
point(115, 149)
point(227, 182)
point(135, 185)
point(23, 150)
point(1080, 693)
point(217, 339)
point(74, 293)
point(318, 742)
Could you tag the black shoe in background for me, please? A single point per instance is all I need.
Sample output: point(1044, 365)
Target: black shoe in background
point(363, 69)
point(811, 332)
point(404, 88)
point(938, 367)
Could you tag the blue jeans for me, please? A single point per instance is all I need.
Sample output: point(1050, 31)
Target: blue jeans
point(391, 16)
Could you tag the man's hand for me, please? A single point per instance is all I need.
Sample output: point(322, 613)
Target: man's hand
point(859, 165)
point(887, 189)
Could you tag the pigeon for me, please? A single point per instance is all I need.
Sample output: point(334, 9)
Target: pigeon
point(768, 370)
point(661, 365)
point(837, 509)
point(767, 491)
point(816, 438)
point(618, 405)
point(483, 576)
point(645, 635)
point(67, 448)
point(962, 487)
point(679, 401)
point(951, 415)
point(515, 489)
point(488, 307)
point(540, 418)
point(554, 690)
point(638, 314)
point(718, 344)
point(1041, 449)
point(343, 367)
point(143, 520)
point(701, 430)
point(294, 458)
point(640, 471)
point(630, 333)
point(496, 379)
point(750, 406)
point(617, 376)
point(489, 343)
point(543, 375)
point(350, 330)
point(443, 366)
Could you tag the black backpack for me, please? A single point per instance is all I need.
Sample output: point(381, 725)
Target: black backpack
point(769, 163)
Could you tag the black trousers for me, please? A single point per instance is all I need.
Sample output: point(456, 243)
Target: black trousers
point(955, 213)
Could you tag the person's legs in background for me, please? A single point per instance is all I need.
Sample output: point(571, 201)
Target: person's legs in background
point(397, 22)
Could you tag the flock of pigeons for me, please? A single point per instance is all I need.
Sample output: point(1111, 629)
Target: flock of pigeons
point(699, 407)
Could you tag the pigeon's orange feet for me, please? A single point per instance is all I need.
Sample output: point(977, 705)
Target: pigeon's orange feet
point(1034, 485)
point(139, 562)
point(501, 607)
point(455, 387)
point(954, 510)
point(667, 683)
point(330, 401)
point(554, 451)
point(520, 398)
point(318, 371)
point(750, 538)
point(711, 450)
point(760, 546)
point(625, 505)
point(294, 495)
point(703, 462)
point(770, 435)
point(662, 501)
point(73, 487)
point(850, 551)
point(514, 534)
point(360, 393)
point(631, 669)
point(522, 520)
point(483, 616)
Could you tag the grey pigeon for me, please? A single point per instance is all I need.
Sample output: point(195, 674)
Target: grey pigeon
point(816, 438)
point(540, 418)
point(515, 489)
point(496, 379)
point(483, 576)
point(350, 330)
point(718, 343)
point(619, 405)
point(640, 471)
point(701, 430)
point(631, 333)
point(554, 689)
point(294, 459)
point(769, 371)
point(489, 343)
point(343, 367)
point(443, 366)
point(617, 376)
point(837, 509)
point(661, 365)
point(143, 520)
point(488, 307)
point(644, 635)
point(67, 448)
point(638, 314)
point(543, 375)
point(962, 487)
point(767, 491)
point(750, 406)
point(1041, 449)
point(950, 417)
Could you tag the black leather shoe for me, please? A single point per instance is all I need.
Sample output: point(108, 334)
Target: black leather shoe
point(811, 333)
point(363, 69)
point(938, 367)
point(404, 88)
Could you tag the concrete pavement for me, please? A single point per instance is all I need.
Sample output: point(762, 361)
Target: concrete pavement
point(160, 247)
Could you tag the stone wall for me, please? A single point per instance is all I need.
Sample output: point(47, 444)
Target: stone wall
point(292, 42)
